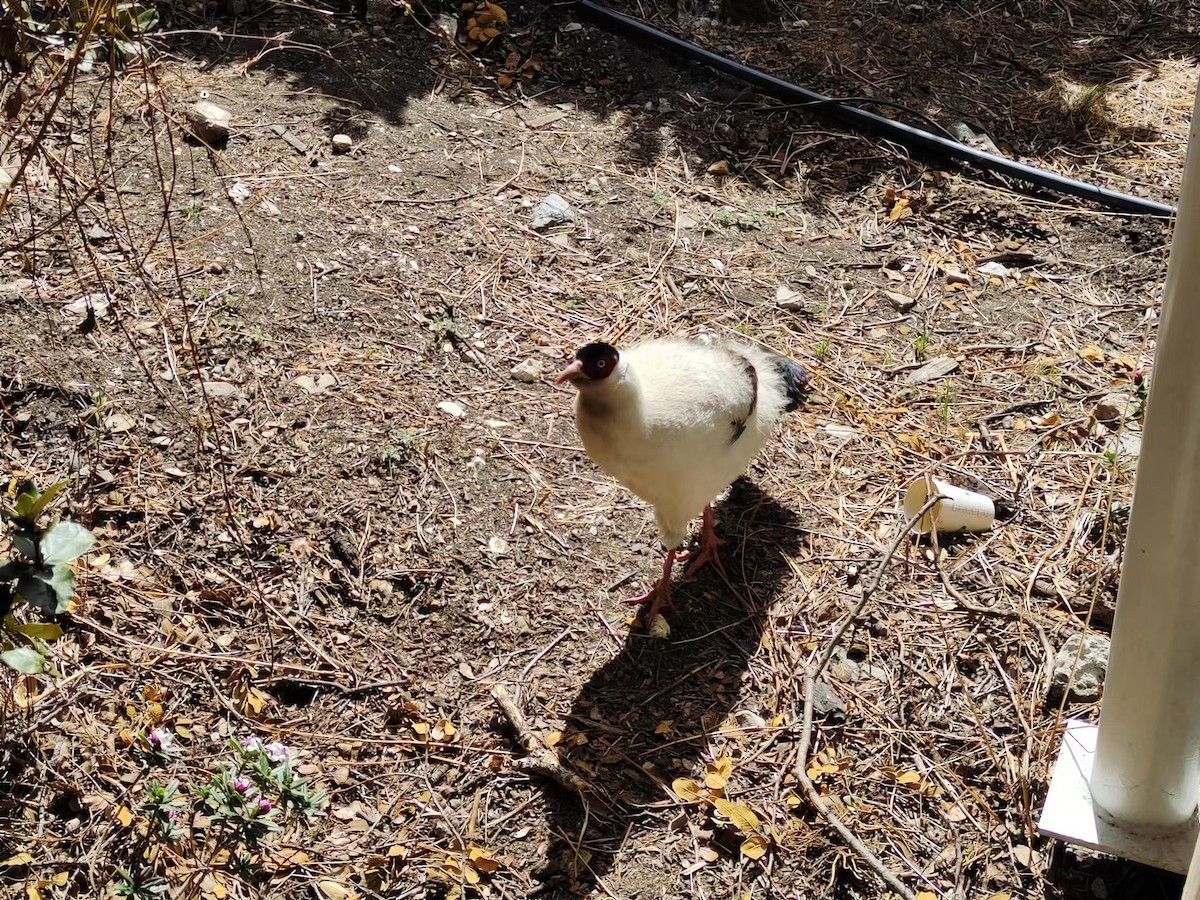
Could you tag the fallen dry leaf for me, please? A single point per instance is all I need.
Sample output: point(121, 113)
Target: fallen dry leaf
point(482, 860)
point(1027, 856)
point(742, 816)
point(717, 772)
point(686, 790)
point(756, 846)
point(332, 890)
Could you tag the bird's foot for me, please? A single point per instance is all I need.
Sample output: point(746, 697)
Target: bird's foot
point(708, 551)
point(659, 598)
point(705, 554)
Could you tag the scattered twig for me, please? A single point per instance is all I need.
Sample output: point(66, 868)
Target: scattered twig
point(541, 760)
point(542, 653)
point(800, 769)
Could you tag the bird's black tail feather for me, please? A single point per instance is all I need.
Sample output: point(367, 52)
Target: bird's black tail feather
point(795, 381)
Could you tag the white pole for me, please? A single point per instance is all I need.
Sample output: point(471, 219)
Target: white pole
point(1191, 887)
point(1147, 765)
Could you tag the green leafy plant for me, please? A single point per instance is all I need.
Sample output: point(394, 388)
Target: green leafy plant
point(163, 808)
point(920, 345)
point(251, 797)
point(945, 400)
point(115, 26)
point(38, 576)
point(1141, 385)
point(139, 885)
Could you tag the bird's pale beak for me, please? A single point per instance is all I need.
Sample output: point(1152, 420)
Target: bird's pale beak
point(570, 373)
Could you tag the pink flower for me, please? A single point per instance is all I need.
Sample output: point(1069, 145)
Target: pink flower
point(161, 739)
point(241, 785)
point(277, 752)
point(264, 805)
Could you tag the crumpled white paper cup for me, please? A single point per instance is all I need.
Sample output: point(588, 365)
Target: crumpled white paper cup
point(959, 510)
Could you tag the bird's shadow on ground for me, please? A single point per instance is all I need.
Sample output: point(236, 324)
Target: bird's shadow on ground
point(645, 717)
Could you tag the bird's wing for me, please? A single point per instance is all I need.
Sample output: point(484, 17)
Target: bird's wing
point(750, 372)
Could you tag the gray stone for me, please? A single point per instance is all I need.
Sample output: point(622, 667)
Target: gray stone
point(209, 122)
point(787, 297)
point(1080, 673)
point(554, 210)
point(342, 143)
point(1126, 444)
point(932, 370)
point(826, 702)
point(528, 371)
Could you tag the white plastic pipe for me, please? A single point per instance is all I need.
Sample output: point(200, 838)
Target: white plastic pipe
point(1191, 887)
point(1147, 765)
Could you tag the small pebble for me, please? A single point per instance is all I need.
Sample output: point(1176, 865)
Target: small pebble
point(342, 143)
point(528, 370)
point(554, 210)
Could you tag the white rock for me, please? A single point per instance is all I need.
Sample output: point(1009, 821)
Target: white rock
point(311, 385)
point(554, 210)
point(528, 370)
point(209, 122)
point(789, 298)
point(342, 143)
point(1081, 679)
point(447, 24)
point(238, 192)
point(79, 306)
point(221, 389)
point(452, 408)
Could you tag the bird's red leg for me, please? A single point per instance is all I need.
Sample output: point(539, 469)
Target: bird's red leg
point(659, 596)
point(707, 551)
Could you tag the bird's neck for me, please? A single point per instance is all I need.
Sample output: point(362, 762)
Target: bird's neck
point(617, 393)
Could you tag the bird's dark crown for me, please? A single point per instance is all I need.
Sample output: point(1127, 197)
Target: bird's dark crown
point(598, 359)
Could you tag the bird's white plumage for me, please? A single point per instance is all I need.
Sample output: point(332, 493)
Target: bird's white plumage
point(664, 423)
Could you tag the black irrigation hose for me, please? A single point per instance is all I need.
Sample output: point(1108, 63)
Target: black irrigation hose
point(868, 122)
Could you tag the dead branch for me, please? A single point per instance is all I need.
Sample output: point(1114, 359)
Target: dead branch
point(800, 768)
point(541, 760)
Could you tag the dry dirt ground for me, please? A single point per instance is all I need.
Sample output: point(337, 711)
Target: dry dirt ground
point(329, 516)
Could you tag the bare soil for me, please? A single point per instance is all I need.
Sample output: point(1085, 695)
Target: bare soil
point(329, 515)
